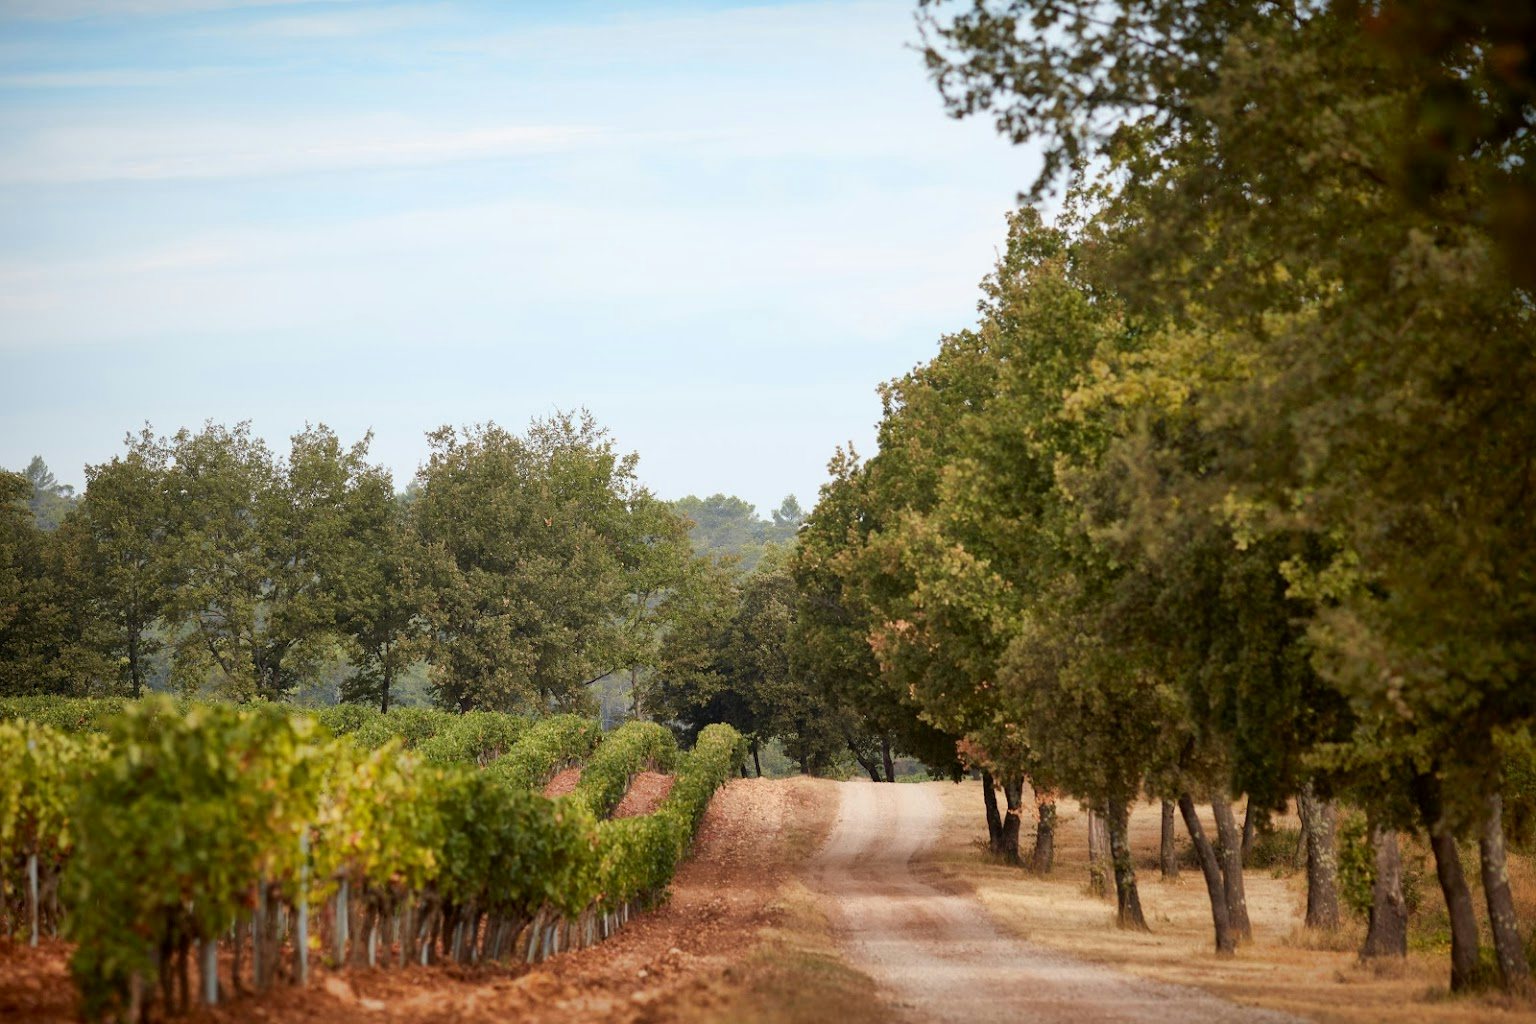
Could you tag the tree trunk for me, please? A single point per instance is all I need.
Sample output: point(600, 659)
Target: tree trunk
point(1250, 826)
point(1388, 932)
point(994, 819)
point(1226, 938)
point(871, 767)
point(135, 670)
point(1044, 855)
point(1167, 853)
point(1231, 849)
point(1099, 869)
point(1514, 970)
point(389, 679)
point(757, 762)
point(1013, 794)
point(1317, 820)
point(1127, 898)
point(885, 755)
point(1465, 946)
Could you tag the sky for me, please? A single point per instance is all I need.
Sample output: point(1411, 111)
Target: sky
point(717, 226)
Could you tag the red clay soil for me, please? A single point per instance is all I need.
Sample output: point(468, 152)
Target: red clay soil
point(34, 983)
point(666, 958)
point(646, 792)
point(563, 783)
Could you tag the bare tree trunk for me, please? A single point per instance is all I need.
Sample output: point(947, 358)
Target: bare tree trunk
point(1127, 898)
point(1388, 932)
point(1167, 853)
point(1099, 869)
point(1044, 855)
point(1013, 794)
point(236, 942)
point(135, 670)
point(1514, 970)
point(1317, 820)
point(1466, 948)
point(1226, 938)
point(871, 767)
point(1250, 826)
point(885, 755)
point(756, 761)
point(994, 819)
point(1230, 842)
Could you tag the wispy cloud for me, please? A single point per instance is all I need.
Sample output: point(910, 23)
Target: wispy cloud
point(113, 78)
point(105, 151)
point(335, 24)
point(75, 10)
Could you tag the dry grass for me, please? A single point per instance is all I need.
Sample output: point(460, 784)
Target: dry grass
point(1285, 968)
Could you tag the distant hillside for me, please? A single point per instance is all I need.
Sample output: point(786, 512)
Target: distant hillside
point(727, 525)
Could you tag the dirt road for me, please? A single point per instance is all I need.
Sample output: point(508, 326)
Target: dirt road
point(942, 959)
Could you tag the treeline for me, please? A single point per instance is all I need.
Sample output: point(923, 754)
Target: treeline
point(1229, 490)
point(520, 568)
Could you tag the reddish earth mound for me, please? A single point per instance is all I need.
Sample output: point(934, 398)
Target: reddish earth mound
point(646, 792)
point(563, 783)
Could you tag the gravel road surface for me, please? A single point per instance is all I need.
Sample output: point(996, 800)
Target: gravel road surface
point(939, 956)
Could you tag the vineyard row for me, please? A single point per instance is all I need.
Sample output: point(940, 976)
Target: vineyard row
point(248, 840)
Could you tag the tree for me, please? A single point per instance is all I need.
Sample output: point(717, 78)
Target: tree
point(833, 624)
point(380, 592)
point(50, 500)
point(35, 627)
point(260, 545)
point(1328, 178)
point(655, 563)
point(526, 540)
point(117, 559)
point(726, 525)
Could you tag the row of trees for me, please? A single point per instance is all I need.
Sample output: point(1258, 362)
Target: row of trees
point(1229, 490)
point(520, 567)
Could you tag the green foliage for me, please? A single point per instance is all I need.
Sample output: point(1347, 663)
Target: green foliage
point(639, 855)
point(412, 726)
point(1357, 864)
point(265, 552)
point(724, 527)
point(43, 770)
point(175, 827)
point(537, 562)
point(474, 738)
point(39, 635)
point(177, 823)
point(50, 501)
point(114, 555)
point(548, 746)
point(511, 851)
point(630, 749)
point(1357, 868)
point(345, 718)
point(1278, 849)
point(380, 826)
point(382, 593)
point(66, 714)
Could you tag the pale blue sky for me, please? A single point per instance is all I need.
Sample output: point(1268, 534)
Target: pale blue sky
point(715, 225)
